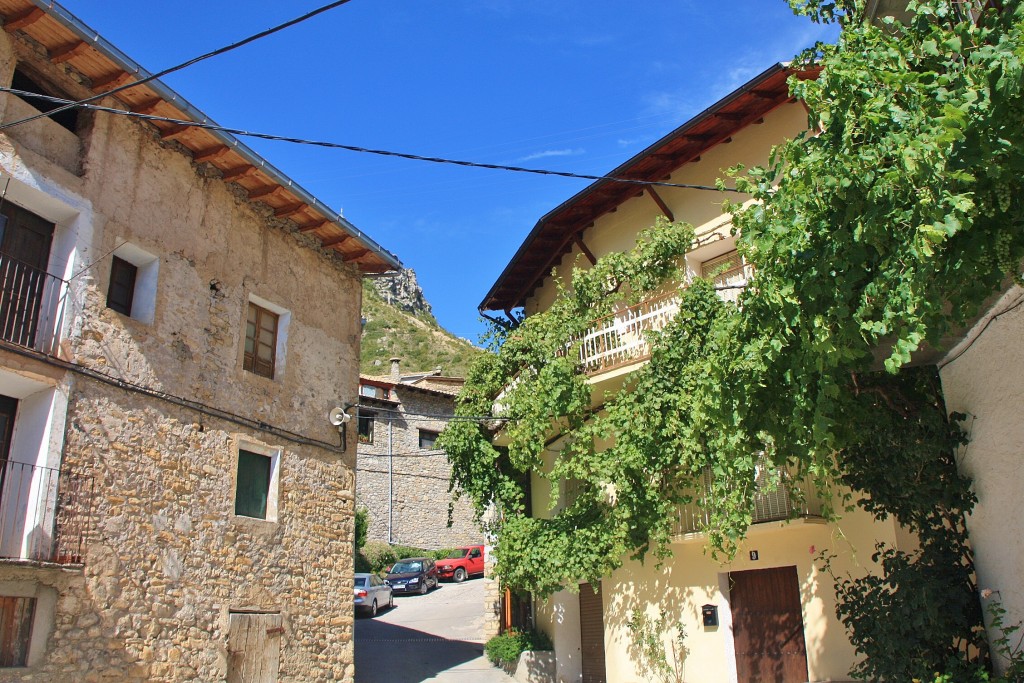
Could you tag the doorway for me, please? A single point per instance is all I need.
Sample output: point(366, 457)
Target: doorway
point(768, 627)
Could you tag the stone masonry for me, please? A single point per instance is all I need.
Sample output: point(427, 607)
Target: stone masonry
point(156, 412)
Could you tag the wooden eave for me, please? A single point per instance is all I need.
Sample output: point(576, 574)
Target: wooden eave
point(554, 235)
point(70, 43)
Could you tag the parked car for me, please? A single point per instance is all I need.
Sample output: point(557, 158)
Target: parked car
point(462, 563)
point(413, 575)
point(372, 593)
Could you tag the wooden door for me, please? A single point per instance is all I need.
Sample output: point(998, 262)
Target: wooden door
point(592, 634)
point(254, 647)
point(24, 256)
point(768, 629)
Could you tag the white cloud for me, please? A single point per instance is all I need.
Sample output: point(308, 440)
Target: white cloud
point(552, 153)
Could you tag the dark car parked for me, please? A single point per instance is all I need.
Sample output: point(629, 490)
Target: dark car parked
point(412, 575)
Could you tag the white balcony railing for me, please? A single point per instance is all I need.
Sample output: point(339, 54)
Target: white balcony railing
point(779, 496)
point(619, 338)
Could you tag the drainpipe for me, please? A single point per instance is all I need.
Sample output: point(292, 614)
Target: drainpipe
point(391, 484)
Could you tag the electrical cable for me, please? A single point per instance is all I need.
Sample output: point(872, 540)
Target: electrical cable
point(432, 453)
point(976, 337)
point(190, 404)
point(179, 67)
point(369, 150)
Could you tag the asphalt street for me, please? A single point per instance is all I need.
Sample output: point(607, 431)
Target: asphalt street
point(433, 637)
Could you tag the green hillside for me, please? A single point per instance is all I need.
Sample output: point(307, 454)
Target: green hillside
point(419, 341)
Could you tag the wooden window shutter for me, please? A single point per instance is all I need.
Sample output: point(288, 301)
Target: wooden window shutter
point(252, 486)
point(260, 341)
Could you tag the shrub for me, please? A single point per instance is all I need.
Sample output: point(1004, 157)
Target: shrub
point(362, 527)
point(506, 648)
point(363, 565)
point(379, 555)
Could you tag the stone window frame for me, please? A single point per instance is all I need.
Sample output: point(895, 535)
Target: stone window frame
point(274, 486)
point(144, 290)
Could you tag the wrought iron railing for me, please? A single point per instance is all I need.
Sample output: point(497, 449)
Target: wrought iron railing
point(31, 305)
point(620, 338)
point(779, 496)
point(45, 513)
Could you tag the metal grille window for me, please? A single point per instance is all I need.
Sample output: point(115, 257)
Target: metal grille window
point(260, 341)
point(726, 269)
point(16, 615)
point(121, 292)
point(252, 486)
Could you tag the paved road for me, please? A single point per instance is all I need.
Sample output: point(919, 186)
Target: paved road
point(433, 637)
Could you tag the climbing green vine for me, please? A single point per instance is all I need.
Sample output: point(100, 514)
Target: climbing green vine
point(873, 238)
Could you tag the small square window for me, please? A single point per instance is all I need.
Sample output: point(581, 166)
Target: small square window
point(366, 426)
point(260, 341)
point(121, 292)
point(252, 486)
point(428, 439)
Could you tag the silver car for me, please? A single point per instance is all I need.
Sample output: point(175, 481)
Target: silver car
point(372, 594)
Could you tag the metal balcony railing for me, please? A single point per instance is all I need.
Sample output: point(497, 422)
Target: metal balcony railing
point(774, 501)
point(619, 338)
point(31, 305)
point(45, 513)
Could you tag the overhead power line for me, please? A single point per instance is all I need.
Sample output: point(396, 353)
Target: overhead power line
point(179, 67)
point(364, 150)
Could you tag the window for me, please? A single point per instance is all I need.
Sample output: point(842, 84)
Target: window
point(726, 269)
point(121, 291)
point(22, 81)
point(260, 341)
point(16, 616)
point(252, 486)
point(428, 439)
point(366, 426)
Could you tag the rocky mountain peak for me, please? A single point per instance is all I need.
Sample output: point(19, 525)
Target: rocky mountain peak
point(402, 291)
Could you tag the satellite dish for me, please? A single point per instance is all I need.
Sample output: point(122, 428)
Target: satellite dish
point(338, 416)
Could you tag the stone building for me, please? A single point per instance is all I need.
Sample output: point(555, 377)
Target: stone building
point(177, 318)
point(402, 480)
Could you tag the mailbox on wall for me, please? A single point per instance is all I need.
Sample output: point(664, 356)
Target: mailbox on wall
point(710, 615)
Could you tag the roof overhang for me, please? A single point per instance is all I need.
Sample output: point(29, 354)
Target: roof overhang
point(69, 41)
point(554, 235)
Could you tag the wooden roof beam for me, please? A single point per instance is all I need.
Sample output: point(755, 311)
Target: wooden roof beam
point(290, 210)
point(211, 154)
point(355, 255)
point(115, 80)
point(23, 19)
point(265, 192)
point(147, 107)
point(236, 174)
point(729, 116)
point(334, 241)
point(586, 251)
point(316, 225)
point(173, 132)
point(667, 212)
point(70, 51)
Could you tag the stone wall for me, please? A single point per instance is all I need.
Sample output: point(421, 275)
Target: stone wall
point(167, 561)
point(420, 497)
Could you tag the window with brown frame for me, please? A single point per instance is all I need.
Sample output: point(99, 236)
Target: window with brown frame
point(260, 341)
point(121, 292)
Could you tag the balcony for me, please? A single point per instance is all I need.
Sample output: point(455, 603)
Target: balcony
point(45, 513)
point(773, 502)
point(620, 338)
point(32, 304)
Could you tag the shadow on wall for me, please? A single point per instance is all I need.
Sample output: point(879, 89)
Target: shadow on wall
point(656, 608)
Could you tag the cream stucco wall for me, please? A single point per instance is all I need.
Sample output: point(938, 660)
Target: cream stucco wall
point(703, 210)
point(984, 378)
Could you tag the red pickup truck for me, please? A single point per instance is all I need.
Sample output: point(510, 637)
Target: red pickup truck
point(461, 563)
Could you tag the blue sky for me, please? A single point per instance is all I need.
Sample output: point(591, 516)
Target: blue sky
point(560, 84)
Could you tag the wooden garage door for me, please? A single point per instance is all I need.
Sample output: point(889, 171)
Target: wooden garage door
point(592, 634)
point(254, 646)
point(768, 629)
